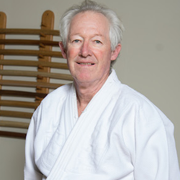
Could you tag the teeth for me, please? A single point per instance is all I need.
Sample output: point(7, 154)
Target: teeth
point(86, 63)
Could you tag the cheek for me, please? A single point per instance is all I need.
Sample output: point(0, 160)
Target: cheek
point(103, 56)
point(72, 52)
point(98, 53)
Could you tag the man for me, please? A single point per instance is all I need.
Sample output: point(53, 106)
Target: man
point(96, 127)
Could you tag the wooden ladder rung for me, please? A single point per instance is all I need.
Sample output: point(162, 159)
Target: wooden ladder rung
point(14, 124)
point(19, 104)
point(13, 134)
point(30, 52)
point(16, 93)
point(29, 31)
point(29, 84)
point(28, 42)
point(36, 74)
point(15, 114)
point(33, 63)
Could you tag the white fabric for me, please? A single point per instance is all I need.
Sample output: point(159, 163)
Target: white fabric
point(121, 135)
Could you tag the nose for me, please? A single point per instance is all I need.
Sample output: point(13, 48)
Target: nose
point(85, 50)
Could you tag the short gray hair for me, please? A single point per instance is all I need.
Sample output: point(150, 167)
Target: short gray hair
point(116, 26)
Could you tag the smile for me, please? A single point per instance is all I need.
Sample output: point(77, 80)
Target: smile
point(88, 64)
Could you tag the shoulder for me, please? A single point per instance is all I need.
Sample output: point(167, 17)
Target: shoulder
point(142, 108)
point(56, 97)
point(129, 96)
point(49, 105)
point(58, 93)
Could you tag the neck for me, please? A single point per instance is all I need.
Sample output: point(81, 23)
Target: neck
point(84, 96)
point(85, 92)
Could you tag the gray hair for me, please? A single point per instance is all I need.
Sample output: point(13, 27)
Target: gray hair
point(116, 26)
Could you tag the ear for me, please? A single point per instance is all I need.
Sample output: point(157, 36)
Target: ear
point(115, 53)
point(62, 50)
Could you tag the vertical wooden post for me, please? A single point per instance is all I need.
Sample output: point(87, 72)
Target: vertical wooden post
point(2, 36)
point(47, 22)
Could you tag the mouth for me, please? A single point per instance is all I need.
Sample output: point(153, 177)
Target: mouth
point(85, 64)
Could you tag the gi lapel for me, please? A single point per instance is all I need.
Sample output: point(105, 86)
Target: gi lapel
point(84, 126)
point(56, 143)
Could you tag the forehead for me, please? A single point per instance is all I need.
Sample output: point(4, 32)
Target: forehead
point(89, 20)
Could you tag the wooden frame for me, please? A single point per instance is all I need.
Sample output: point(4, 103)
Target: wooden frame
point(10, 98)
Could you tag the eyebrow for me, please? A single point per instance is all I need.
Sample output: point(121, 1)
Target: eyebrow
point(98, 35)
point(80, 35)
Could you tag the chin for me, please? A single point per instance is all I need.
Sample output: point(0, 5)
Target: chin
point(83, 79)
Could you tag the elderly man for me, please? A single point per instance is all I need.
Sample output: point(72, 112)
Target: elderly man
point(97, 128)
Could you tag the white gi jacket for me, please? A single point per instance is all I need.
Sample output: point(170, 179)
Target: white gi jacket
point(121, 135)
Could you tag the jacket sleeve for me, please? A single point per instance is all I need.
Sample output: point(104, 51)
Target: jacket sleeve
point(31, 172)
point(155, 151)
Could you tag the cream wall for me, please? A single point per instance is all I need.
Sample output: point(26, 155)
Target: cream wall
point(149, 60)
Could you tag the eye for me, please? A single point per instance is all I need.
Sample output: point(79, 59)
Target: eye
point(97, 42)
point(76, 41)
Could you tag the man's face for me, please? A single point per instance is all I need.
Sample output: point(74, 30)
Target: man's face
point(88, 51)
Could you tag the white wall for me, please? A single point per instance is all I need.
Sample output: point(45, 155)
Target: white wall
point(149, 60)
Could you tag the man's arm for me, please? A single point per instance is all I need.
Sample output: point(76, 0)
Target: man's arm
point(156, 156)
point(30, 170)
